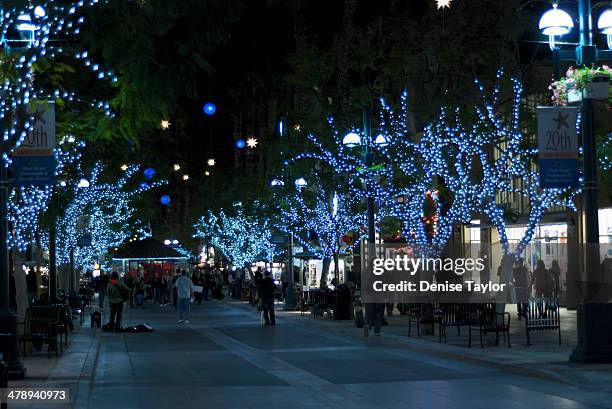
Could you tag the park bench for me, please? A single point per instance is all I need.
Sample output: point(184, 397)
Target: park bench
point(323, 300)
point(457, 315)
point(42, 325)
point(489, 320)
point(305, 300)
point(542, 315)
point(421, 314)
point(77, 304)
point(64, 313)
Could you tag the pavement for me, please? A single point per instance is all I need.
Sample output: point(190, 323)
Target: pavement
point(224, 358)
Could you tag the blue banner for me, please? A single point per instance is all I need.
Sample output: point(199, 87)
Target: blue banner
point(33, 170)
point(559, 173)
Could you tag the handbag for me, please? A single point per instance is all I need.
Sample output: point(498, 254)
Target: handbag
point(260, 305)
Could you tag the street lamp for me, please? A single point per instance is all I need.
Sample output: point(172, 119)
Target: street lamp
point(592, 321)
point(83, 183)
point(604, 24)
point(277, 183)
point(301, 183)
point(351, 140)
point(381, 140)
point(211, 162)
point(555, 23)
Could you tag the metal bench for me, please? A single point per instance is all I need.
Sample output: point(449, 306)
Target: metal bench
point(543, 315)
point(489, 320)
point(421, 314)
point(42, 325)
point(457, 315)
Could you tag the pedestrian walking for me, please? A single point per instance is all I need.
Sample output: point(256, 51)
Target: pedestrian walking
point(521, 285)
point(543, 281)
point(101, 285)
point(266, 295)
point(375, 316)
point(32, 286)
point(184, 291)
point(285, 283)
point(139, 292)
point(555, 272)
point(177, 274)
point(117, 294)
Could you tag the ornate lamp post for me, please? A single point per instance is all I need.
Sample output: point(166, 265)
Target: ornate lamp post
point(594, 328)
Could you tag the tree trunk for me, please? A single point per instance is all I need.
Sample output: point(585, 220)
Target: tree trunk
point(337, 268)
point(21, 288)
point(325, 272)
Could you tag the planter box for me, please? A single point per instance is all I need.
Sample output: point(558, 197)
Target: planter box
point(599, 88)
point(574, 95)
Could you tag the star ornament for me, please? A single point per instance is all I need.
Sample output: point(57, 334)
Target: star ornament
point(252, 143)
point(442, 4)
point(561, 121)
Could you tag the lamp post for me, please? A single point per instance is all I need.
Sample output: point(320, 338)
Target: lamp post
point(594, 326)
point(353, 140)
point(8, 320)
point(290, 296)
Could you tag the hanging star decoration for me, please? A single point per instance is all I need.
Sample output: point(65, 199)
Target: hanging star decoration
point(252, 143)
point(442, 4)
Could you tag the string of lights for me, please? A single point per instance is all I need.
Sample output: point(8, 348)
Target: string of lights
point(110, 212)
point(241, 237)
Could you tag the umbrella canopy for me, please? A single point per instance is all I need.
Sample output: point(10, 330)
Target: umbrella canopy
point(147, 249)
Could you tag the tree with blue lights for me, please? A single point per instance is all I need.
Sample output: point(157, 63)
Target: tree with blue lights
point(319, 215)
point(242, 237)
point(27, 204)
point(493, 158)
point(111, 212)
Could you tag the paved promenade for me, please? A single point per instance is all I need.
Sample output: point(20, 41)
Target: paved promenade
point(225, 359)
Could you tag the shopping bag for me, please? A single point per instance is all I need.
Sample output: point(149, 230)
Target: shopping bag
point(263, 320)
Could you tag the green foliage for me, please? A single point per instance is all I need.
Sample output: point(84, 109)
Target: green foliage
point(159, 49)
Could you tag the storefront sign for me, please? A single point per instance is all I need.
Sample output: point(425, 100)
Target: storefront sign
point(558, 147)
point(34, 160)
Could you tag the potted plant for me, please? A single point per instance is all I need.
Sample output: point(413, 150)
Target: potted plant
point(587, 82)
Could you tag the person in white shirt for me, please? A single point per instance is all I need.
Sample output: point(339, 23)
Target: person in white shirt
point(184, 293)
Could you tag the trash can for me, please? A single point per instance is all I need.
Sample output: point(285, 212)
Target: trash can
point(342, 307)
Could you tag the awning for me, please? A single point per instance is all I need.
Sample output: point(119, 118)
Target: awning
point(147, 249)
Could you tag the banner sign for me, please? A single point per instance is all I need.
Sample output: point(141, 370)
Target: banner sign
point(558, 147)
point(34, 160)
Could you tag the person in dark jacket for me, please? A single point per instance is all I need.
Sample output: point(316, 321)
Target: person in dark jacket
point(522, 285)
point(266, 294)
point(32, 285)
point(117, 294)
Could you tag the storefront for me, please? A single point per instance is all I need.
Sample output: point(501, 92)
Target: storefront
point(148, 258)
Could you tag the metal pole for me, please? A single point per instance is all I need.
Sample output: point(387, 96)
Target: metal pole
point(594, 328)
point(371, 247)
point(290, 296)
point(8, 320)
point(4, 255)
point(52, 265)
point(367, 130)
point(72, 275)
point(588, 56)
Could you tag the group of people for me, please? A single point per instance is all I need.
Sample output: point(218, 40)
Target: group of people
point(542, 282)
point(180, 289)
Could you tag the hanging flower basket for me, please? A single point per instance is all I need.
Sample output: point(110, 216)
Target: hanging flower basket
point(589, 82)
point(573, 95)
point(598, 87)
